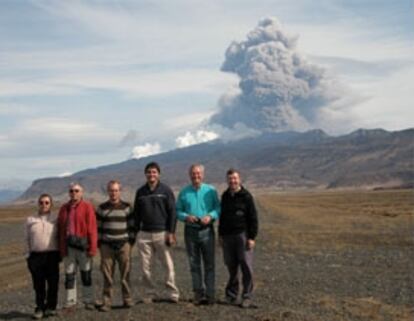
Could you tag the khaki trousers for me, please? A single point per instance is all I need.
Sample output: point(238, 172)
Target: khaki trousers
point(149, 243)
point(109, 258)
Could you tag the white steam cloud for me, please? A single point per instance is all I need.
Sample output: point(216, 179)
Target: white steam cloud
point(145, 150)
point(201, 136)
point(65, 174)
point(278, 89)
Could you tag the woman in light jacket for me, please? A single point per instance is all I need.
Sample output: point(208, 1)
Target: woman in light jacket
point(42, 253)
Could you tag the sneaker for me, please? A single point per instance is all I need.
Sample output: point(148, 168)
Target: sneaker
point(37, 314)
point(89, 306)
point(247, 303)
point(50, 313)
point(104, 308)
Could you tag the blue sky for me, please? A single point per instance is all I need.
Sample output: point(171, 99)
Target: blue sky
point(83, 83)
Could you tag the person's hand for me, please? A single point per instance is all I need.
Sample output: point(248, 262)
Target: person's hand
point(170, 239)
point(191, 219)
point(206, 220)
point(250, 244)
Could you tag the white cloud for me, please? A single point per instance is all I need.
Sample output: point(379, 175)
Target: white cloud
point(237, 132)
point(350, 40)
point(200, 136)
point(13, 109)
point(388, 102)
point(56, 135)
point(62, 129)
point(65, 174)
point(132, 84)
point(147, 149)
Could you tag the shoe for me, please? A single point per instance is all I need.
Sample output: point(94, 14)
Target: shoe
point(128, 304)
point(210, 301)
point(37, 314)
point(247, 303)
point(230, 300)
point(147, 300)
point(104, 308)
point(199, 298)
point(89, 306)
point(50, 313)
point(172, 300)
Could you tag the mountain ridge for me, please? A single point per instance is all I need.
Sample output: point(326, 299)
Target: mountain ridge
point(285, 160)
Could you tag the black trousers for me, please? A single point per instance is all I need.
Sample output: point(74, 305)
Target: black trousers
point(238, 258)
point(44, 268)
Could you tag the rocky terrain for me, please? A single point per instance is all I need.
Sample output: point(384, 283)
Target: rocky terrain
point(331, 256)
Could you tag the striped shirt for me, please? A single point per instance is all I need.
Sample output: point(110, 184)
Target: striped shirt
point(115, 223)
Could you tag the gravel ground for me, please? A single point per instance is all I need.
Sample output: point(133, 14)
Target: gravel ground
point(350, 284)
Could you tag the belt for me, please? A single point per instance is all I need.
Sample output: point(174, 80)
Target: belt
point(199, 226)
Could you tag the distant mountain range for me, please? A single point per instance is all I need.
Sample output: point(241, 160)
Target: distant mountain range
point(364, 158)
point(7, 195)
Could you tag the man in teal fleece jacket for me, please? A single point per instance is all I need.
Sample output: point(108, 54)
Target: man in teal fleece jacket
point(198, 207)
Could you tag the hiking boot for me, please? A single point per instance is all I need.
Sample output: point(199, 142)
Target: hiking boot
point(37, 314)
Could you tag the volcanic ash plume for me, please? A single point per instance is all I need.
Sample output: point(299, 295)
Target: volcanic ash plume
point(278, 89)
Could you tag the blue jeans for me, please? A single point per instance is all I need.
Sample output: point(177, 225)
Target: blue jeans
point(200, 245)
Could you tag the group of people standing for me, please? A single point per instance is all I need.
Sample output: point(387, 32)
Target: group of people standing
point(79, 230)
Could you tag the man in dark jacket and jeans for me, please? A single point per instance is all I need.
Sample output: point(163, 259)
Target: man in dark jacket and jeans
point(155, 221)
point(238, 228)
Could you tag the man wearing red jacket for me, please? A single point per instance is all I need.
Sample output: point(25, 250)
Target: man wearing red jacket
point(77, 245)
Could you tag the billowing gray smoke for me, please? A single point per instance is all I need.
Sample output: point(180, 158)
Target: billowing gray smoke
point(278, 89)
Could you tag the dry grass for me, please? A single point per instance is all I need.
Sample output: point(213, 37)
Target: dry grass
point(13, 267)
point(15, 213)
point(318, 220)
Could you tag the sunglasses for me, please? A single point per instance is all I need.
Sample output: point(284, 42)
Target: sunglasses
point(74, 190)
point(44, 203)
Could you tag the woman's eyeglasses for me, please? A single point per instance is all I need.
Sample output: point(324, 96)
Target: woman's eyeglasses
point(44, 203)
point(74, 190)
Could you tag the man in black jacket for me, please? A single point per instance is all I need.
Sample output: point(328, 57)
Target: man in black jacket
point(155, 219)
point(238, 228)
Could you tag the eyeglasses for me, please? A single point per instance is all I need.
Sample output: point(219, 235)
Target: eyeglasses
point(74, 190)
point(44, 203)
